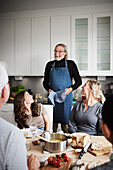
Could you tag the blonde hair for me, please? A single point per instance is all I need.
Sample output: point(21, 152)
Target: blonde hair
point(97, 92)
point(65, 49)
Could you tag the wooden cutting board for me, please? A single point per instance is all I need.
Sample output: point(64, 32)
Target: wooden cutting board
point(65, 166)
point(104, 142)
point(101, 152)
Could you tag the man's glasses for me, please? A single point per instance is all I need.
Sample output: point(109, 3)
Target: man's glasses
point(58, 51)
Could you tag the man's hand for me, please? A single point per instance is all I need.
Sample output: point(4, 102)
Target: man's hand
point(33, 162)
point(69, 90)
point(50, 91)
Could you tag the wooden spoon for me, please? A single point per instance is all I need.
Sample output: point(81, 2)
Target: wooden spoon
point(40, 137)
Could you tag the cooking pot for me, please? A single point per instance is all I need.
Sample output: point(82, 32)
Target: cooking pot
point(55, 147)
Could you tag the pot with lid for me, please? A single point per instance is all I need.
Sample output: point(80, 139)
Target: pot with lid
point(58, 142)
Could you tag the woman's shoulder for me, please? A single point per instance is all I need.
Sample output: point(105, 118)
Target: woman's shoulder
point(42, 109)
point(39, 106)
point(98, 106)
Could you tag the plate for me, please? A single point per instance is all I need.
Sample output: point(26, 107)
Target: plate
point(28, 134)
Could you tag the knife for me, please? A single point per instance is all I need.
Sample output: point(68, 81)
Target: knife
point(85, 149)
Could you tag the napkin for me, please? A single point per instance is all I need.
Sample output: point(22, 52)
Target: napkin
point(57, 96)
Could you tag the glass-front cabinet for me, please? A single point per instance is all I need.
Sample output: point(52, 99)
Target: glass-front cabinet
point(102, 44)
point(92, 44)
point(82, 43)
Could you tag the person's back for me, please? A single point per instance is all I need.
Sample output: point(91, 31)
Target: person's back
point(12, 147)
point(13, 154)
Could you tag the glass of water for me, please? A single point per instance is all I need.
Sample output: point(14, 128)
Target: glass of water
point(33, 128)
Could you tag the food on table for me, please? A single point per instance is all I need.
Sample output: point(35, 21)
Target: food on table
point(78, 150)
point(93, 164)
point(43, 161)
point(59, 163)
point(25, 134)
point(77, 165)
point(35, 142)
point(58, 159)
point(96, 146)
point(80, 140)
point(56, 140)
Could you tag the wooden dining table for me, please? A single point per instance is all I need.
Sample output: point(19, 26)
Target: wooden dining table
point(71, 152)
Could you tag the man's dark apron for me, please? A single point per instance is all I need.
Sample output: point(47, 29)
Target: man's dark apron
point(60, 80)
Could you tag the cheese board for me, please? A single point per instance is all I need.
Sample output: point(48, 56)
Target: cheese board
point(106, 145)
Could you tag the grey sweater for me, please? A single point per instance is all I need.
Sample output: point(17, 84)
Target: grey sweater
point(87, 122)
point(13, 154)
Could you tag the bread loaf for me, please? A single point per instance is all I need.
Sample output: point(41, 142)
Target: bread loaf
point(80, 140)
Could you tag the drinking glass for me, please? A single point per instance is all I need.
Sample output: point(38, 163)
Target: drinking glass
point(33, 128)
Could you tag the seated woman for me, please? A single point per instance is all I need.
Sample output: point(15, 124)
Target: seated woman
point(27, 111)
point(86, 115)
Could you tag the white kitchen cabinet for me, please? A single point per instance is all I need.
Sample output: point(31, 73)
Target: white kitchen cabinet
point(82, 43)
point(60, 32)
point(7, 44)
point(22, 47)
point(92, 43)
point(40, 53)
point(103, 44)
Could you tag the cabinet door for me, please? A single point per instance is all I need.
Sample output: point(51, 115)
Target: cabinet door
point(103, 38)
point(60, 32)
point(40, 44)
point(82, 43)
point(7, 44)
point(22, 46)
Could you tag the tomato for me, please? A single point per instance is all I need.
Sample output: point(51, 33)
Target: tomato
point(54, 157)
point(58, 156)
point(60, 159)
point(64, 154)
point(54, 162)
point(49, 161)
point(59, 164)
point(67, 159)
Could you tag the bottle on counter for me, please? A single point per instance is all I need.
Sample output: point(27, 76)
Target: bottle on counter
point(78, 95)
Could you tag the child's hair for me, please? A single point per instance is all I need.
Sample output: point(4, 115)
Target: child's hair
point(35, 109)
